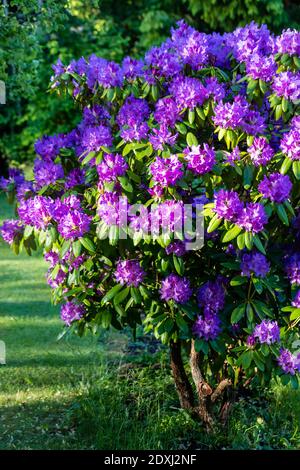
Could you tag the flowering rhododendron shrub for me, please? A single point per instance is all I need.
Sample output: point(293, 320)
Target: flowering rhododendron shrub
point(202, 134)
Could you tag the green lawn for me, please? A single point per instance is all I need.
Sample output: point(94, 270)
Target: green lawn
point(89, 394)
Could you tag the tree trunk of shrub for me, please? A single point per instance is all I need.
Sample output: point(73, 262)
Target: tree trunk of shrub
point(182, 384)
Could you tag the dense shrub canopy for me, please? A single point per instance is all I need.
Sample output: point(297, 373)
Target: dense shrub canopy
point(207, 121)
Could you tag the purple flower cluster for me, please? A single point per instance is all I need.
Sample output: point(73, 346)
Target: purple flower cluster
point(176, 288)
point(188, 92)
point(200, 160)
point(76, 177)
point(93, 138)
point(260, 67)
point(167, 112)
point(132, 119)
point(207, 327)
point(161, 137)
point(228, 205)
point(276, 187)
point(260, 151)
point(254, 263)
point(72, 311)
point(10, 229)
point(290, 143)
point(129, 272)
point(46, 172)
point(166, 171)
point(289, 363)
point(287, 85)
point(177, 247)
point(211, 297)
point(108, 208)
point(73, 224)
point(292, 267)
point(267, 332)
point(296, 301)
point(37, 211)
point(112, 166)
point(253, 218)
point(231, 115)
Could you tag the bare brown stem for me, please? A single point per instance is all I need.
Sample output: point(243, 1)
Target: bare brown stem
point(183, 386)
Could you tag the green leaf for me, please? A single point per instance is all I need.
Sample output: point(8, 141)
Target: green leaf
point(127, 149)
point(191, 116)
point(76, 247)
point(241, 241)
point(191, 139)
point(278, 112)
point(201, 346)
point(135, 293)
point(27, 232)
point(178, 264)
point(237, 313)
point(88, 158)
point(259, 244)
point(231, 234)
point(105, 318)
point(238, 280)
point(65, 247)
point(181, 323)
point(214, 224)
point(295, 314)
point(111, 293)
point(246, 359)
point(181, 128)
point(286, 165)
point(121, 296)
point(88, 244)
point(249, 240)
point(125, 183)
point(282, 214)
point(296, 169)
point(248, 176)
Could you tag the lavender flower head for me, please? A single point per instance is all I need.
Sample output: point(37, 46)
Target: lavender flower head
point(188, 92)
point(211, 297)
point(10, 229)
point(207, 327)
point(287, 85)
point(296, 301)
point(72, 311)
point(276, 187)
point(292, 267)
point(228, 205)
point(74, 224)
point(176, 288)
point(129, 272)
point(255, 263)
point(260, 151)
point(267, 332)
point(253, 218)
point(200, 160)
point(166, 171)
point(112, 166)
point(177, 247)
point(288, 362)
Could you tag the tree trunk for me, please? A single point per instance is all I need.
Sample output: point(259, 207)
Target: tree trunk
point(183, 386)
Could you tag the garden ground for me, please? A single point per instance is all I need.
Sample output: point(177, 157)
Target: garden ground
point(105, 392)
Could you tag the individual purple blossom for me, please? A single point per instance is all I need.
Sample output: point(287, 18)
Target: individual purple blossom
point(72, 311)
point(37, 211)
point(132, 68)
point(94, 116)
point(260, 151)
point(93, 138)
point(102, 72)
point(292, 267)
point(156, 191)
point(167, 112)
point(215, 89)
point(129, 272)
point(211, 297)
point(200, 160)
point(253, 218)
point(287, 85)
point(176, 288)
point(250, 39)
point(288, 362)
point(163, 62)
point(166, 171)
point(167, 217)
point(58, 280)
point(10, 229)
point(133, 111)
point(46, 172)
point(289, 42)
point(290, 144)
point(267, 332)
point(24, 189)
point(254, 123)
point(188, 92)
point(74, 224)
point(231, 115)
point(108, 208)
point(48, 147)
point(15, 178)
point(276, 187)
point(207, 327)
point(161, 137)
point(234, 156)
point(135, 132)
point(76, 177)
point(112, 166)
point(228, 205)
point(261, 67)
point(177, 247)
point(52, 257)
point(251, 341)
point(296, 301)
point(193, 49)
point(254, 263)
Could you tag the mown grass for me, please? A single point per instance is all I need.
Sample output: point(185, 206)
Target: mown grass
point(98, 393)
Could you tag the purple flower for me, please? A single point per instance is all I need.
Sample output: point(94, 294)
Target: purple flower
point(253, 218)
point(58, 280)
point(100, 71)
point(52, 257)
point(177, 247)
point(290, 144)
point(211, 297)
point(260, 151)
point(76, 177)
point(267, 332)
point(292, 267)
point(94, 116)
point(176, 288)
point(132, 68)
point(288, 362)
point(108, 208)
point(188, 92)
point(234, 156)
point(112, 166)
point(276, 187)
point(163, 61)
point(48, 147)
point(260, 67)
point(71, 311)
point(161, 137)
point(46, 172)
point(167, 112)
point(255, 263)
point(200, 160)
point(133, 112)
point(15, 178)
point(37, 211)
point(289, 42)
point(129, 272)
point(296, 301)
point(167, 217)
point(287, 85)
point(74, 224)
point(193, 49)
point(207, 327)
point(10, 229)
point(215, 89)
point(231, 115)
point(251, 341)
point(166, 171)
point(93, 138)
point(228, 205)
point(135, 132)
